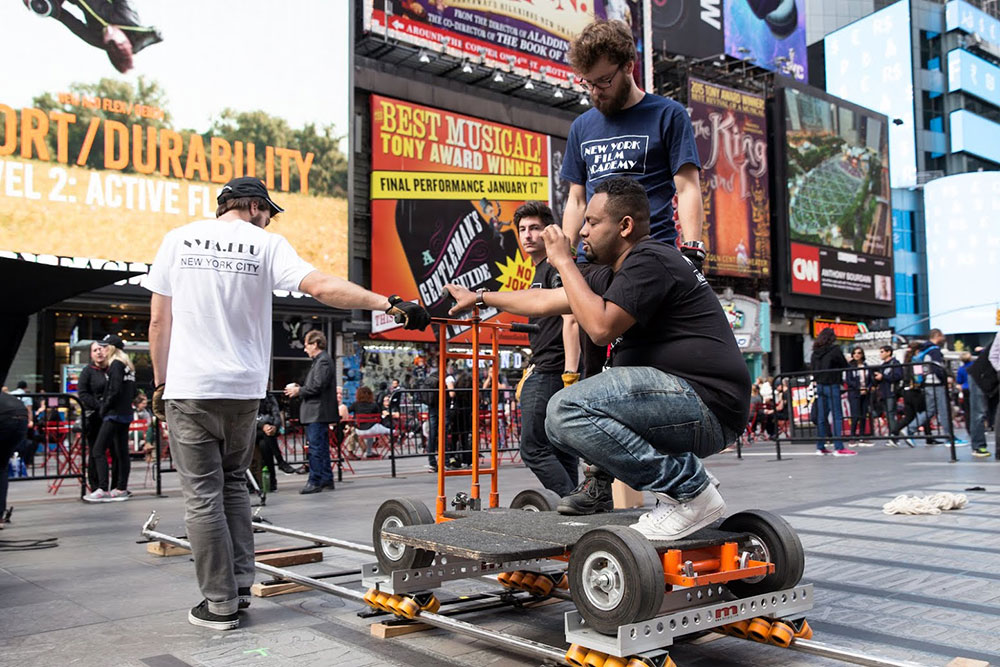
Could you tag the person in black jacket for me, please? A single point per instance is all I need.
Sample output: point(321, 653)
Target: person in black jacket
point(827, 365)
point(319, 409)
point(90, 390)
point(14, 418)
point(116, 415)
point(268, 453)
point(888, 387)
point(859, 381)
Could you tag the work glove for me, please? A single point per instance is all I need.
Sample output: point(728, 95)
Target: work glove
point(570, 378)
point(159, 407)
point(696, 255)
point(410, 315)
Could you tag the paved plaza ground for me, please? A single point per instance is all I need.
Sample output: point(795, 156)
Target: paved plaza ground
point(919, 588)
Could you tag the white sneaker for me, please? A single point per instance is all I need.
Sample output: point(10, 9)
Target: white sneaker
point(117, 494)
point(672, 520)
point(98, 496)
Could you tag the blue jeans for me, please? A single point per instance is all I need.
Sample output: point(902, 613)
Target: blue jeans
point(828, 396)
point(979, 404)
point(318, 439)
point(554, 468)
point(645, 427)
point(936, 401)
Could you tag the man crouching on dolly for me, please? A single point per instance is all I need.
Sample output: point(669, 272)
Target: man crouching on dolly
point(675, 388)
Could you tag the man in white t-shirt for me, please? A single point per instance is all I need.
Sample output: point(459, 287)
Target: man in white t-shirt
point(210, 343)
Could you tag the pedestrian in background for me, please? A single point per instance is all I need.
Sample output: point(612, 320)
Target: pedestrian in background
point(859, 381)
point(116, 415)
point(828, 365)
point(90, 390)
point(318, 410)
point(888, 380)
point(14, 419)
point(984, 385)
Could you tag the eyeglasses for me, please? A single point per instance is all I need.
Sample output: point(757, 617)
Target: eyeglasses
point(601, 84)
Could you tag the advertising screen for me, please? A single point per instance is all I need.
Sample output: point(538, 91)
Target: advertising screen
point(730, 130)
point(687, 27)
point(133, 115)
point(769, 34)
point(974, 134)
point(444, 189)
point(963, 251)
point(869, 62)
point(838, 200)
point(974, 75)
point(960, 15)
point(530, 37)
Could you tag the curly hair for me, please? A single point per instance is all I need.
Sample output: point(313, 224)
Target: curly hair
point(364, 395)
point(612, 39)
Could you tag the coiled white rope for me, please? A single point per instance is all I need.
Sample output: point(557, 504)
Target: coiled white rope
point(925, 504)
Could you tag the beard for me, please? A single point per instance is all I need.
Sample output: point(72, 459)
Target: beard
point(616, 102)
point(261, 220)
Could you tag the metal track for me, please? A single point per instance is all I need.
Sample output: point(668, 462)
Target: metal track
point(526, 647)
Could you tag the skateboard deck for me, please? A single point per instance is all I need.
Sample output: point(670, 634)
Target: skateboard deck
point(501, 535)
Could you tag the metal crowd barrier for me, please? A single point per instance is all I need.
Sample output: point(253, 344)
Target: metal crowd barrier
point(55, 448)
point(795, 424)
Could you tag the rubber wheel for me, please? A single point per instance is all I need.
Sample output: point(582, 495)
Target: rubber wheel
point(804, 631)
point(433, 606)
point(382, 600)
point(615, 661)
point(516, 577)
point(535, 501)
point(739, 629)
point(576, 654)
point(771, 540)
point(394, 513)
point(504, 578)
point(543, 585)
point(563, 582)
point(781, 634)
point(616, 578)
point(759, 630)
point(527, 582)
point(595, 659)
point(370, 597)
point(407, 608)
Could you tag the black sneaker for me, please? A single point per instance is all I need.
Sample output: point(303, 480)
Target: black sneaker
point(244, 595)
point(201, 615)
point(593, 495)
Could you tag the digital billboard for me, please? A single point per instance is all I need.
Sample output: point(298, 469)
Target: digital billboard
point(730, 129)
point(530, 37)
point(960, 15)
point(768, 33)
point(130, 119)
point(963, 251)
point(869, 62)
point(687, 27)
point(444, 188)
point(974, 134)
point(974, 75)
point(836, 199)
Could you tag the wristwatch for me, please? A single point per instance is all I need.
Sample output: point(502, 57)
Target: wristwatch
point(480, 293)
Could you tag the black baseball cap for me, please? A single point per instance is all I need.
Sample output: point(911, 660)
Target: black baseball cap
point(112, 339)
point(247, 186)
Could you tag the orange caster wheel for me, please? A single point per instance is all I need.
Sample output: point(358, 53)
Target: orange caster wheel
point(432, 606)
point(370, 596)
point(721, 629)
point(392, 604)
point(739, 629)
point(576, 654)
point(563, 583)
point(543, 585)
point(516, 577)
point(381, 600)
point(595, 659)
point(528, 581)
point(802, 629)
point(782, 634)
point(504, 578)
point(407, 608)
point(614, 661)
point(759, 630)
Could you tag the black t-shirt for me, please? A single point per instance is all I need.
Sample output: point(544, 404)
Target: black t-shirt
point(680, 328)
point(11, 407)
point(366, 410)
point(547, 351)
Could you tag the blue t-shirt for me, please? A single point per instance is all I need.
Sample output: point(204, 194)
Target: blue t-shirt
point(649, 141)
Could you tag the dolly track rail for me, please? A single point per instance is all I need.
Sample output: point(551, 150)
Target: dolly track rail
point(526, 647)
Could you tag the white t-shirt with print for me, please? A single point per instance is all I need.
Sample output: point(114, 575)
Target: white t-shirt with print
point(219, 275)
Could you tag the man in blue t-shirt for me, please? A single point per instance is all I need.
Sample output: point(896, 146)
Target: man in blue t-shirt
point(629, 132)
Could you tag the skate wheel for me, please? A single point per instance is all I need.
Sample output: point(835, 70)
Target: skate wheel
point(433, 606)
point(781, 634)
point(759, 630)
point(370, 596)
point(563, 583)
point(381, 598)
point(543, 585)
point(407, 608)
point(721, 629)
point(504, 578)
point(595, 659)
point(516, 577)
point(614, 661)
point(528, 582)
point(739, 629)
point(392, 604)
point(576, 654)
point(804, 631)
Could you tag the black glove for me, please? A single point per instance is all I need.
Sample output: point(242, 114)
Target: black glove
point(695, 254)
point(410, 315)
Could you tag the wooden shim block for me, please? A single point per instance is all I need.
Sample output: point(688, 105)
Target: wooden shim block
point(387, 631)
point(291, 558)
point(967, 662)
point(163, 549)
point(268, 590)
point(706, 638)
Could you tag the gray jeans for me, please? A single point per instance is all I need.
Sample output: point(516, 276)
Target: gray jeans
point(211, 442)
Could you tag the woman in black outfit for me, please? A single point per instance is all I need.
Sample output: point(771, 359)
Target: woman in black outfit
point(116, 415)
point(827, 365)
point(913, 394)
point(460, 416)
point(367, 420)
point(859, 382)
point(90, 390)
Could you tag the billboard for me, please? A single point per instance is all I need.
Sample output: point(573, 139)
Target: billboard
point(836, 199)
point(974, 75)
point(961, 15)
point(974, 134)
point(870, 62)
point(105, 148)
point(687, 27)
point(730, 130)
point(769, 34)
point(963, 251)
point(527, 37)
point(444, 188)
